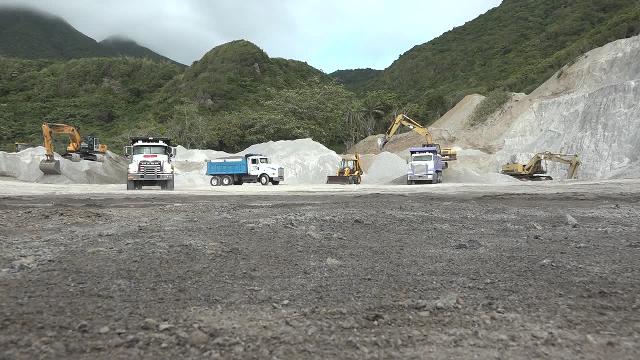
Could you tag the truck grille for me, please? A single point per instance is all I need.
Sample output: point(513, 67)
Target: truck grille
point(420, 169)
point(150, 167)
point(280, 172)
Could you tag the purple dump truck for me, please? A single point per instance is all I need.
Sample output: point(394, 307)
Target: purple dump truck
point(425, 166)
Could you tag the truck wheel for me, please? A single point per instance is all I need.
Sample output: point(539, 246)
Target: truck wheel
point(215, 181)
point(358, 180)
point(440, 177)
point(131, 185)
point(226, 180)
point(137, 185)
point(275, 182)
point(169, 185)
point(410, 182)
point(264, 179)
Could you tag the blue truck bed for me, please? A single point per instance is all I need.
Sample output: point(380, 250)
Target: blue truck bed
point(227, 166)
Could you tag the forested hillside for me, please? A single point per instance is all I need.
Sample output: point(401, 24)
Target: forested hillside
point(513, 47)
point(236, 95)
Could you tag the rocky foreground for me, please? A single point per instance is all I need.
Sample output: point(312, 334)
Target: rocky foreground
point(168, 276)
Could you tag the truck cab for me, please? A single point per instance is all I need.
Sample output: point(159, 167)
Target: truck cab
point(425, 166)
point(150, 163)
point(236, 170)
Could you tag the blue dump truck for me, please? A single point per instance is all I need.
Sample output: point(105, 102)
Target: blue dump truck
point(249, 168)
point(425, 166)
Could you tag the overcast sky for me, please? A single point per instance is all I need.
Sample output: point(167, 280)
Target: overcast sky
point(328, 34)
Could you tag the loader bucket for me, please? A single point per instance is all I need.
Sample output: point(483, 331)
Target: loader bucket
point(343, 180)
point(50, 167)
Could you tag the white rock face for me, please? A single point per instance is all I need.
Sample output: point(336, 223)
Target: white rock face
point(592, 109)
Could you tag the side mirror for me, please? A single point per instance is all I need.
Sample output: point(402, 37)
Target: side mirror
point(173, 152)
point(128, 151)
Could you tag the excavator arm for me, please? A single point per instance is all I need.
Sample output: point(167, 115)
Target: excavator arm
point(49, 129)
point(403, 120)
point(76, 148)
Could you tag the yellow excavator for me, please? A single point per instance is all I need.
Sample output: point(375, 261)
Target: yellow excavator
point(534, 170)
point(447, 154)
point(349, 172)
point(77, 149)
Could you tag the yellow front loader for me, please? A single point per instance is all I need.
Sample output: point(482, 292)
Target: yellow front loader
point(349, 172)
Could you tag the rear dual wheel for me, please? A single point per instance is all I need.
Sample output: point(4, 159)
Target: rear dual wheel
point(224, 180)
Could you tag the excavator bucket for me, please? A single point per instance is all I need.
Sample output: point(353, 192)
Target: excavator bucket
point(342, 180)
point(50, 167)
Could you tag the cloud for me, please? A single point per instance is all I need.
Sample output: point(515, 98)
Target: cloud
point(329, 34)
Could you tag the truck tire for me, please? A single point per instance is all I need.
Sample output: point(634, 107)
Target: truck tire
point(358, 180)
point(410, 182)
point(131, 185)
point(263, 179)
point(440, 178)
point(169, 185)
point(215, 181)
point(436, 178)
point(137, 185)
point(275, 182)
point(226, 180)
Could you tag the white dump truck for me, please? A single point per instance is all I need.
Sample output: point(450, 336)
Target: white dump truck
point(150, 163)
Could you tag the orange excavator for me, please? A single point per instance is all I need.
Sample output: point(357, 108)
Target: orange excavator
point(78, 148)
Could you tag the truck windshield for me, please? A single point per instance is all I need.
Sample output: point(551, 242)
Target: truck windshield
point(264, 161)
point(149, 149)
point(423, 157)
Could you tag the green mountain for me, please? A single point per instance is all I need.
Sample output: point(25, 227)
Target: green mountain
point(32, 35)
point(355, 79)
point(29, 34)
point(235, 96)
point(120, 46)
point(513, 47)
point(247, 97)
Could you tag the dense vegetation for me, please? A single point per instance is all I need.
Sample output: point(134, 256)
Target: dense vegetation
point(108, 97)
point(514, 47)
point(29, 34)
point(355, 79)
point(236, 95)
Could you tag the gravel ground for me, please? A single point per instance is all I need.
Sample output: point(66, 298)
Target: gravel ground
point(320, 276)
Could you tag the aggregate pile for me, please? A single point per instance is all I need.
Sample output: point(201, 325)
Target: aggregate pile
point(24, 166)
